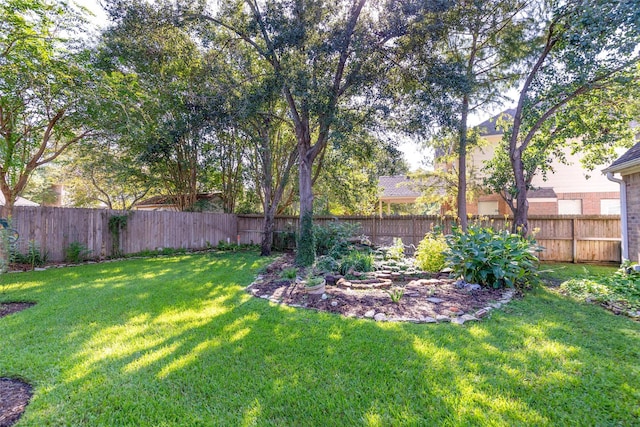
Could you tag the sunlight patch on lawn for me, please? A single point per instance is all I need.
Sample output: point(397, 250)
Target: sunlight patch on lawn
point(151, 357)
point(251, 414)
point(188, 359)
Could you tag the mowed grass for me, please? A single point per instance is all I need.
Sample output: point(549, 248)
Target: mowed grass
point(177, 342)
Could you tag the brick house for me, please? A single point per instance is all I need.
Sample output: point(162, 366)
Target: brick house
point(567, 191)
point(628, 166)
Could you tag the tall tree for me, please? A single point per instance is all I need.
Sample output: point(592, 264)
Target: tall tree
point(326, 56)
point(585, 47)
point(487, 39)
point(171, 125)
point(48, 90)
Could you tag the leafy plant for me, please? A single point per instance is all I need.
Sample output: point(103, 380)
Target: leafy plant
point(76, 252)
point(396, 295)
point(492, 258)
point(357, 261)
point(327, 264)
point(620, 289)
point(289, 273)
point(306, 253)
point(430, 254)
point(333, 239)
point(34, 256)
point(313, 281)
point(395, 251)
point(117, 223)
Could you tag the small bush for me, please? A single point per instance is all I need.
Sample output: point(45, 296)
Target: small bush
point(620, 289)
point(492, 258)
point(306, 253)
point(333, 239)
point(289, 273)
point(396, 251)
point(76, 252)
point(34, 256)
point(327, 264)
point(358, 261)
point(430, 254)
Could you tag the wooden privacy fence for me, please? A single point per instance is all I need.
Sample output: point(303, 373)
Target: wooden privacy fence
point(54, 229)
point(565, 238)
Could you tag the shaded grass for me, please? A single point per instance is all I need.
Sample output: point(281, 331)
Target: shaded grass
point(176, 341)
point(560, 272)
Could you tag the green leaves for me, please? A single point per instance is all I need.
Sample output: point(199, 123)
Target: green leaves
point(495, 258)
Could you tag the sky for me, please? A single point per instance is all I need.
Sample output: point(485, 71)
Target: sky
point(413, 153)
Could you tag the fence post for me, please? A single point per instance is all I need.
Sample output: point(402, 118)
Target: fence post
point(574, 223)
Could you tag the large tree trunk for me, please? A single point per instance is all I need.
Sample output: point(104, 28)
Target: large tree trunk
point(267, 237)
point(306, 244)
point(521, 213)
point(462, 165)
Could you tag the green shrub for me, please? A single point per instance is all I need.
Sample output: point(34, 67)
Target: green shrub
point(395, 251)
point(430, 254)
point(34, 256)
point(289, 273)
point(327, 264)
point(333, 238)
point(492, 258)
point(620, 289)
point(306, 253)
point(358, 261)
point(76, 252)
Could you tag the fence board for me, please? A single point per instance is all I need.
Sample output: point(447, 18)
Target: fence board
point(53, 229)
point(565, 238)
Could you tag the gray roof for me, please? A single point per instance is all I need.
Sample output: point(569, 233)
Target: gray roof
point(488, 127)
point(542, 193)
point(398, 186)
point(628, 159)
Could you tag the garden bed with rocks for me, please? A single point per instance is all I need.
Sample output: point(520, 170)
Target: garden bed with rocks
point(431, 298)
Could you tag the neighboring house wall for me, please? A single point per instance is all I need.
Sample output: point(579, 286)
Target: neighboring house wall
point(632, 184)
point(575, 193)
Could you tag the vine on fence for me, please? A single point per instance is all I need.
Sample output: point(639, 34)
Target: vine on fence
point(117, 223)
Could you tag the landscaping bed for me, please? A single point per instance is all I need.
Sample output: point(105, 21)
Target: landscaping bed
point(437, 298)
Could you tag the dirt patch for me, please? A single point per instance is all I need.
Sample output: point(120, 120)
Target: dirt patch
point(422, 300)
point(7, 308)
point(14, 397)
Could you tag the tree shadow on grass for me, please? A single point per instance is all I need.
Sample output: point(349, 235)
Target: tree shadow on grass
point(188, 348)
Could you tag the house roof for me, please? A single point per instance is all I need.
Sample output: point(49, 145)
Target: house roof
point(488, 127)
point(542, 193)
point(628, 160)
point(398, 186)
point(20, 201)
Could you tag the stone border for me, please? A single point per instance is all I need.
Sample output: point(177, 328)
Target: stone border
point(507, 296)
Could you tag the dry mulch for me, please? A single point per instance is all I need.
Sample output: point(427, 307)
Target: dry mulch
point(14, 394)
point(7, 308)
point(446, 298)
point(14, 397)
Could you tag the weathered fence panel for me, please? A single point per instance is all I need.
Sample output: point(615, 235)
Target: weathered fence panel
point(565, 238)
point(54, 229)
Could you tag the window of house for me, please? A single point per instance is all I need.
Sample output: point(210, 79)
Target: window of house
point(610, 206)
point(488, 208)
point(570, 207)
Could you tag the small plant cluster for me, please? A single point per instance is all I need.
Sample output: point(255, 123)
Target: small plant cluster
point(335, 243)
point(430, 254)
point(234, 247)
point(494, 258)
point(35, 256)
point(76, 252)
point(620, 290)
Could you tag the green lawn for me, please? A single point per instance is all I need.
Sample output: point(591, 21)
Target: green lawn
point(176, 341)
